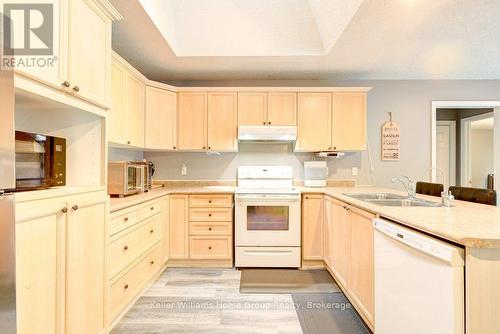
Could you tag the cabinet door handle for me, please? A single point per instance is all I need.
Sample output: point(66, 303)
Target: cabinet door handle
point(152, 262)
point(307, 197)
point(209, 201)
point(209, 148)
point(210, 229)
point(175, 148)
point(125, 287)
point(75, 207)
point(210, 215)
point(269, 123)
point(125, 247)
point(128, 142)
point(76, 89)
point(209, 247)
point(125, 219)
point(151, 231)
point(64, 210)
point(152, 208)
point(263, 123)
point(66, 84)
point(335, 147)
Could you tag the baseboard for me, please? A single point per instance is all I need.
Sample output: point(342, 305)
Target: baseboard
point(186, 263)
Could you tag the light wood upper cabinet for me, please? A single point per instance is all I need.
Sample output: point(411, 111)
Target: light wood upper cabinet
point(127, 113)
point(80, 63)
point(192, 121)
point(40, 268)
point(89, 52)
point(252, 108)
point(56, 74)
point(314, 122)
point(312, 227)
point(179, 227)
point(282, 108)
point(361, 277)
point(161, 119)
point(116, 118)
point(222, 128)
point(341, 241)
point(134, 110)
point(85, 265)
point(349, 121)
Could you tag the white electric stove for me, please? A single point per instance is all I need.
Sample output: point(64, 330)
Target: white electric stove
point(267, 218)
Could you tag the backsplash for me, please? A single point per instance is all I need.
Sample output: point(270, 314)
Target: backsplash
point(120, 154)
point(201, 166)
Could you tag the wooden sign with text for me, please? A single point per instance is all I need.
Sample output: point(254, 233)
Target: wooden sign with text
point(390, 142)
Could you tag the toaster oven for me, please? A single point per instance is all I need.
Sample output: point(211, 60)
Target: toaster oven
point(127, 177)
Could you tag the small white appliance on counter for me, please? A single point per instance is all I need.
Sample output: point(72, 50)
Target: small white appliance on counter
point(419, 282)
point(315, 173)
point(267, 218)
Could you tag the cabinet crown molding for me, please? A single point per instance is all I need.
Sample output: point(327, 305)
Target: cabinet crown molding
point(108, 9)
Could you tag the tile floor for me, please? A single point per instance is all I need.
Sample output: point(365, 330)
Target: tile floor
point(209, 301)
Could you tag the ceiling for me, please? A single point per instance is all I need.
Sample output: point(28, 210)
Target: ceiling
point(183, 40)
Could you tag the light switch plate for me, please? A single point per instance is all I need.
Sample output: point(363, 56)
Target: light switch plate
point(354, 171)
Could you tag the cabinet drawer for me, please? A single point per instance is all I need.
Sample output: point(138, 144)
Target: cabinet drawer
point(126, 287)
point(210, 247)
point(150, 208)
point(210, 200)
point(211, 214)
point(123, 219)
point(131, 244)
point(210, 228)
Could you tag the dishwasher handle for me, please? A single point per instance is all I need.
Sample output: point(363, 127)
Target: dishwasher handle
point(453, 255)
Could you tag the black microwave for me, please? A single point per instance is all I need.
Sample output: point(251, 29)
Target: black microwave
point(40, 161)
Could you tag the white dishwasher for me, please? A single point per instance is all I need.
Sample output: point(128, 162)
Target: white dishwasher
point(419, 282)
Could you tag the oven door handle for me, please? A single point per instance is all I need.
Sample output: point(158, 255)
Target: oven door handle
point(261, 199)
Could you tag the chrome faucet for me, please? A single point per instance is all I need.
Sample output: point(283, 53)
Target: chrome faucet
point(409, 185)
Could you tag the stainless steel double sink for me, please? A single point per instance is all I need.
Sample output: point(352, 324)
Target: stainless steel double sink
point(388, 199)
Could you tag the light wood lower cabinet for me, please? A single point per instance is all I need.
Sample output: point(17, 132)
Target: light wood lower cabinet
point(179, 227)
point(341, 241)
point(210, 247)
point(350, 258)
point(85, 266)
point(60, 266)
point(361, 276)
point(138, 248)
point(312, 227)
point(125, 288)
point(40, 267)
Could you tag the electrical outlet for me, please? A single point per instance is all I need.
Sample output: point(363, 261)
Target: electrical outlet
point(184, 170)
point(354, 171)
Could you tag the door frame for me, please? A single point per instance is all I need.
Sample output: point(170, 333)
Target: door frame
point(464, 105)
point(453, 149)
point(465, 157)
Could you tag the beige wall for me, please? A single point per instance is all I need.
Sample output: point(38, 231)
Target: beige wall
point(481, 153)
point(409, 101)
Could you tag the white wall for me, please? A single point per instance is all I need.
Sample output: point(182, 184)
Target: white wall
point(409, 101)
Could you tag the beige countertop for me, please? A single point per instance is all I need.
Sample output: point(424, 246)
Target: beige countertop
point(117, 203)
point(467, 224)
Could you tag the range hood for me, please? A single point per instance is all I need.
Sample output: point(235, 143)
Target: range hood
point(259, 133)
